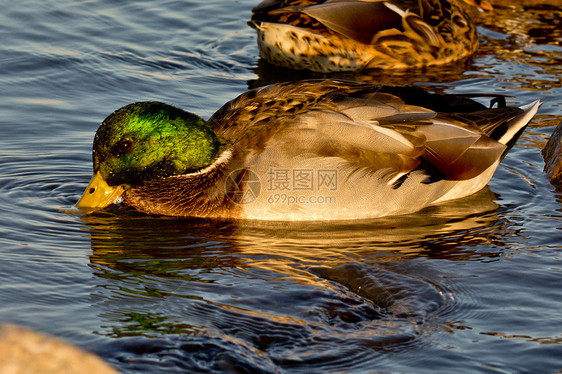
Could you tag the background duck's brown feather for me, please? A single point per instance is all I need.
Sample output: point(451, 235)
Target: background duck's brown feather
point(336, 35)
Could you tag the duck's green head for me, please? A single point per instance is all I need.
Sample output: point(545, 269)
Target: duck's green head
point(144, 141)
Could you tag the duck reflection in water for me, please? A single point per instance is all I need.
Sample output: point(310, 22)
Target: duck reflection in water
point(283, 289)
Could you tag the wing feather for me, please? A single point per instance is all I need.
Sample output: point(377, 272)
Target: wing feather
point(459, 153)
point(339, 128)
point(358, 20)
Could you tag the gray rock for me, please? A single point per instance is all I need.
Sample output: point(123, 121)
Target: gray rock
point(23, 351)
point(552, 154)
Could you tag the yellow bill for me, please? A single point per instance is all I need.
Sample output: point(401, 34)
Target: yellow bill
point(99, 194)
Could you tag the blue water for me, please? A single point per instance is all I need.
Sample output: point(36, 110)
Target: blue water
point(469, 286)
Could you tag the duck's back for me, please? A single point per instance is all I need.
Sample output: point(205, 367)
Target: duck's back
point(339, 150)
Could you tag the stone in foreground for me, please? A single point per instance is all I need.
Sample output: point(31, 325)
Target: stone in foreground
point(23, 351)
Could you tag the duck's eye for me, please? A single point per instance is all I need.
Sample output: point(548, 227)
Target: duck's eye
point(123, 146)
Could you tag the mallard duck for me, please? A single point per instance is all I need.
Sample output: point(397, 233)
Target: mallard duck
point(308, 150)
point(350, 35)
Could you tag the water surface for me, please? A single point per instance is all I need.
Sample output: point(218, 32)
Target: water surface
point(468, 286)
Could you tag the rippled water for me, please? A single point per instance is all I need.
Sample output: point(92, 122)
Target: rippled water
point(469, 286)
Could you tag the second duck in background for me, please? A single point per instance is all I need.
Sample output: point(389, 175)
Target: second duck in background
point(351, 35)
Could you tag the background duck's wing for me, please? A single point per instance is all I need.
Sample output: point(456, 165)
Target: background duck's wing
point(285, 12)
point(356, 19)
